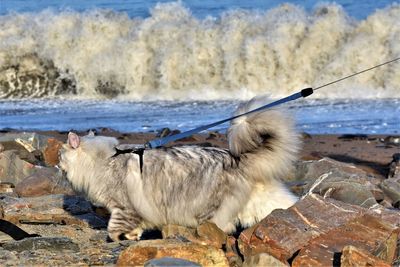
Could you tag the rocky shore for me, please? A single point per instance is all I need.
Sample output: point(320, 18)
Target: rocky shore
point(347, 214)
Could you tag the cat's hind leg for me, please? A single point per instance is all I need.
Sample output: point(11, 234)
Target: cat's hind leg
point(124, 223)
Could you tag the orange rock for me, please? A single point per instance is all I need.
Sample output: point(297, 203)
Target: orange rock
point(284, 232)
point(50, 153)
point(142, 251)
point(366, 232)
point(355, 257)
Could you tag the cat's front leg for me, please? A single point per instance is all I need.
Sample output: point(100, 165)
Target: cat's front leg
point(124, 224)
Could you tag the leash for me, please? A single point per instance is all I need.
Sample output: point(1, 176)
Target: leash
point(303, 93)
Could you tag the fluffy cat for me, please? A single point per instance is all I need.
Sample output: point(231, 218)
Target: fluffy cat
point(187, 185)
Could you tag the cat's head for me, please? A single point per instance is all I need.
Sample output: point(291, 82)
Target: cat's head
point(82, 153)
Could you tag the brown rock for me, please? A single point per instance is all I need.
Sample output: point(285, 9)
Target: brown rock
point(44, 181)
point(232, 253)
point(139, 253)
point(210, 234)
point(367, 232)
point(171, 231)
point(355, 257)
point(51, 151)
point(205, 234)
point(284, 232)
point(263, 259)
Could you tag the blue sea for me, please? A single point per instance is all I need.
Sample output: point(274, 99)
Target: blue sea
point(145, 65)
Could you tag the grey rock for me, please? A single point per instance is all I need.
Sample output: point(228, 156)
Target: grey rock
point(21, 151)
point(391, 187)
point(30, 141)
point(346, 190)
point(337, 180)
point(167, 261)
point(13, 169)
point(51, 209)
point(48, 243)
point(394, 168)
point(311, 170)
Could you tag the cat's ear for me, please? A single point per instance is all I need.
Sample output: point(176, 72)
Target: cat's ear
point(91, 133)
point(73, 140)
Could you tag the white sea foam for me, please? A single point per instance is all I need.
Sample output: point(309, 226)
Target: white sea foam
point(174, 55)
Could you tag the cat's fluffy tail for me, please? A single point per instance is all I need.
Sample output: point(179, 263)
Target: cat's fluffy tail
point(266, 142)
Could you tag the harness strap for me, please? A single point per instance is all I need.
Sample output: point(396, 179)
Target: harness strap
point(138, 151)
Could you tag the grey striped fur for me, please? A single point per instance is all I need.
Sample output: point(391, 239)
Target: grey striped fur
point(189, 184)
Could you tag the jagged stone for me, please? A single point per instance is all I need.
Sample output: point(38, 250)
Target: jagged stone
point(44, 181)
point(284, 232)
point(13, 169)
point(338, 180)
point(354, 257)
point(206, 234)
point(366, 232)
point(143, 251)
point(21, 151)
point(210, 234)
point(30, 141)
point(391, 187)
point(51, 209)
point(263, 259)
point(48, 243)
point(348, 191)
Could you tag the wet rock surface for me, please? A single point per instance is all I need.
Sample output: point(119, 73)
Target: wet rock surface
point(348, 213)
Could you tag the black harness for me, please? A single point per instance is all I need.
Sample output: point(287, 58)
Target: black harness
point(138, 151)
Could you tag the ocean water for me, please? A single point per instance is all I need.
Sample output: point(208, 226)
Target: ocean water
point(144, 65)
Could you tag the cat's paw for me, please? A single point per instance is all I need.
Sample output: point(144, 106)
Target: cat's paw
point(135, 234)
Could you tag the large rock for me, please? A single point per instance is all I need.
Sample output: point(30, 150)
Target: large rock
point(47, 243)
point(309, 171)
point(284, 232)
point(44, 181)
point(263, 259)
point(206, 233)
point(367, 232)
point(13, 169)
point(338, 180)
point(30, 141)
point(352, 256)
point(21, 151)
point(143, 251)
point(51, 209)
point(391, 188)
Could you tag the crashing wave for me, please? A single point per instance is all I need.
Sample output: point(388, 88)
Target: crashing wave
point(174, 55)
